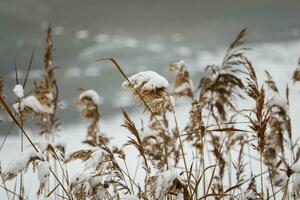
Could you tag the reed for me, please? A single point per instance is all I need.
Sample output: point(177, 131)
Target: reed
point(205, 159)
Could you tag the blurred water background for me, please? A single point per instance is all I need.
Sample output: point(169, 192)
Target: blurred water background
point(141, 35)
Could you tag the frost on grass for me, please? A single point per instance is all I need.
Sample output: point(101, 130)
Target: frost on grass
point(18, 91)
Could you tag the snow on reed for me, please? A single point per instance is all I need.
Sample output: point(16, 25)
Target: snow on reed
point(33, 103)
point(19, 91)
point(19, 163)
point(91, 94)
point(149, 80)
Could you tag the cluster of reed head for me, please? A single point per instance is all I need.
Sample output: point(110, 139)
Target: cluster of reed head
point(227, 150)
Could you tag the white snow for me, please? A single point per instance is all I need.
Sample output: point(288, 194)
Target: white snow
point(19, 106)
point(249, 195)
point(43, 172)
point(286, 55)
point(92, 94)
point(19, 91)
point(150, 80)
point(33, 103)
point(78, 177)
point(49, 96)
point(180, 197)
point(94, 160)
point(147, 132)
point(172, 101)
point(184, 86)
point(130, 197)
point(165, 180)
point(43, 144)
point(88, 182)
point(296, 166)
point(280, 178)
point(60, 143)
point(280, 102)
point(296, 184)
point(20, 162)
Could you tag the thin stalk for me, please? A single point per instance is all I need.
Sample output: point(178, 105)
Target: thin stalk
point(128, 175)
point(8, 110)
point(203, 166)
point(214, 170)
point(182, 150)
point(6, 135)
point(48, 195)
point(70, 197)
point(12, 192)
point(261, 178)
point(22, 147)
point(272, 184)
point(285, 190)
point(7, 195)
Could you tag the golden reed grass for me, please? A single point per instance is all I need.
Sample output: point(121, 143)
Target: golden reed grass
point(225, 151)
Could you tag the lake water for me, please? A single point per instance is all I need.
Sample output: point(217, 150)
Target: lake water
point(141, 35)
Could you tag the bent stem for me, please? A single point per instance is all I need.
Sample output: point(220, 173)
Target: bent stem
point(165, 138)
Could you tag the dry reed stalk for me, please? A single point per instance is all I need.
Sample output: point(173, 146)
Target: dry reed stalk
point(215, 131)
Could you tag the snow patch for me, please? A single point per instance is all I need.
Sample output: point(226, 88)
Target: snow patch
point(94, 160)
point(43, 172)
point(296, 166)
point(19, 91)
point(165, 181)
point(92, 94)
point(149, 80)
point(130, 197)
point(20, 162)
point(33, 103)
